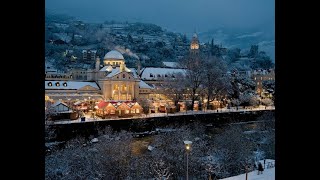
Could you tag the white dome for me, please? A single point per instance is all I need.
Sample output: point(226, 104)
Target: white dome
point(113, 55)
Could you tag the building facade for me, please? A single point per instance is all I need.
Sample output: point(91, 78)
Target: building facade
point(262, 75)
point(113, 82)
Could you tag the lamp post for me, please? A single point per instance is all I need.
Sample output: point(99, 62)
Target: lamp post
point(69, 103)
point(90, 103)
point(188, 149)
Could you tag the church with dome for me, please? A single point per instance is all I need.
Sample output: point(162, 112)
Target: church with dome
point(110, 80)
point(117, 82)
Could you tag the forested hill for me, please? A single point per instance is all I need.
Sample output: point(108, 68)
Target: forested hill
point(66, 38)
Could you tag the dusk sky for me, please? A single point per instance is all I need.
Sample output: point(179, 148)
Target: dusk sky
point(182, 16)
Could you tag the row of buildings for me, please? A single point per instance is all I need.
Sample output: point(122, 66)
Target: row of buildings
point(112, 82)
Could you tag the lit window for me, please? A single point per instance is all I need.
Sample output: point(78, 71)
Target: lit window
point(127, 111)
point(132, 111)
point(255, 78)
point(57, 84)
point(65, 84)
point(137, 111)
point(49, 83)
point(257, 83)
point(261, 78)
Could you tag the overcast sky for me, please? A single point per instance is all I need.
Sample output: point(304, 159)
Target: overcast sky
point(182, 16)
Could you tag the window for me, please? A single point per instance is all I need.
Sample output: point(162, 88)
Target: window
point(65, 84)
point(127, 111)
point(132, 111)
point(123, 76)
point(151, 75)
point(123, 97)
point(165, 75)
point(137, 111)
point(261, 78)
point(123, 87)
point(255, 78)
point(159, 75)
point(57, 84)
point(49, 83)
point(257, 83)
point(129, 77)
point(116, 97)
point(113, 63)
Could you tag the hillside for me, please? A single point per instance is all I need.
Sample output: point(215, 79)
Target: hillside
point(66, 38)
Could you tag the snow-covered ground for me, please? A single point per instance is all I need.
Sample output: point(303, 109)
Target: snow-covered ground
point(268, 173)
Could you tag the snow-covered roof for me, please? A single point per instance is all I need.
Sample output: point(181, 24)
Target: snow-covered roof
point(63, 36)
point(106, 68)
point(69, 85)
point(151, 73)
point(134, 72)
point(142, 84)
point(171, 64)
point(59, 102)
point(114, 71)
point(92, 51)
point(114, 55)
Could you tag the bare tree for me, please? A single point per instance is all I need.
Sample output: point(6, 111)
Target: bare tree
point(193, 65)
point(236, 150)
point(161, 170)
point(216, 82)
point(174, 86)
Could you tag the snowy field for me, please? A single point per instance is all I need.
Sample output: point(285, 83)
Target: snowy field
point(268, 173)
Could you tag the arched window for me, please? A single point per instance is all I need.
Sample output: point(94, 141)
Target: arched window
point(49, 83)
point(57, 84)
point(123, 76)
point(65, 84)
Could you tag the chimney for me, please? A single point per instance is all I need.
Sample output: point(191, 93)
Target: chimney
point(138, 68)
point(97, 63)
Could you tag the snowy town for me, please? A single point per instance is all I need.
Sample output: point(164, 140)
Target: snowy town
point(133, 100)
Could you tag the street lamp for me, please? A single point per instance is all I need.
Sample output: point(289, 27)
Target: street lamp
point(90, 103)
point(188, 149)
point(69, 103)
